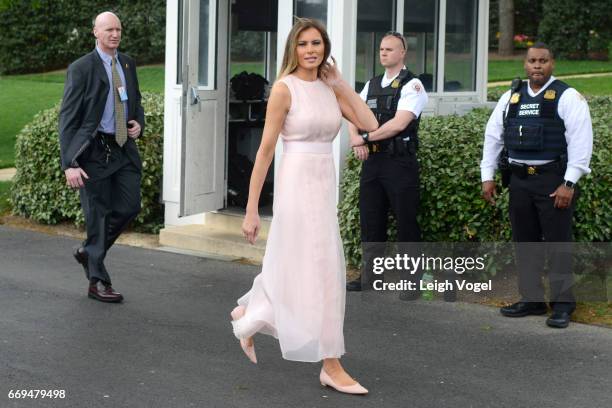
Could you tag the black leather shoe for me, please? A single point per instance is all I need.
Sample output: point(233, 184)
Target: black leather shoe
point(354, 285)
point(521, 309)
point(81, 257)
point(559, 320)
point(104, 293)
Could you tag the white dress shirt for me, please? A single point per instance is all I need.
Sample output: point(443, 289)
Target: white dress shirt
point(413, 97)
point(573, 110)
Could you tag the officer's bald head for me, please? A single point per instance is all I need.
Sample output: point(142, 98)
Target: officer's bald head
point(107, 30)
point(105, 17)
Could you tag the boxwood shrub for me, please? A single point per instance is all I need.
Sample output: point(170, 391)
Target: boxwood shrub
point(452, 209)
point(39, 189)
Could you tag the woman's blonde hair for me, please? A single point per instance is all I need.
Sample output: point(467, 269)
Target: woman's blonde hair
point(290, 60)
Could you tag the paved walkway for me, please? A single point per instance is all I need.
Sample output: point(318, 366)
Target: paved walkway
point(599, 74)
point(7, 174)
point(170, 343)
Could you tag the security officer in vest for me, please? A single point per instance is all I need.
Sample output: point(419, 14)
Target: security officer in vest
point(390, 173)
point(541, 129)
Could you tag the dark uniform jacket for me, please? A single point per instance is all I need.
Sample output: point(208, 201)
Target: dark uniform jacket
point(85, 93)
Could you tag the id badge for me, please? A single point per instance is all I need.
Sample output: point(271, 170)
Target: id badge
point(122, 93)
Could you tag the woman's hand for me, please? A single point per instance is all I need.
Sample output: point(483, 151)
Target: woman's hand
point(330, 74)
point(250, 227)
point(352, 107)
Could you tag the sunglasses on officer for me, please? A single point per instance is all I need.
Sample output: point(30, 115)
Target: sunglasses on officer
point(396, 35)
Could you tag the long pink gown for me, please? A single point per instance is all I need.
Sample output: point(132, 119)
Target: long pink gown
point(299, 296)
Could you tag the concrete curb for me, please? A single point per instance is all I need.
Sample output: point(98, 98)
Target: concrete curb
point(134, 239)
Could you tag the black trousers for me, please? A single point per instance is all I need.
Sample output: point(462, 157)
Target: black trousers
point(388, 183)
point(110, 200)
point(535, 219)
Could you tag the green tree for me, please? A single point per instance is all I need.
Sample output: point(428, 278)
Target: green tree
point(576, 29)
point(506, 27)
point(42, 35)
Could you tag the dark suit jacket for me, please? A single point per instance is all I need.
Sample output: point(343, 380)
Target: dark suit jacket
point(85, 93)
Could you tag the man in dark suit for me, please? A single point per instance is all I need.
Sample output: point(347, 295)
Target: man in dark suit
point(100, 118)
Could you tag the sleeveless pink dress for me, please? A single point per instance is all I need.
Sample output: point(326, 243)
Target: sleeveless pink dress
point(299, 295)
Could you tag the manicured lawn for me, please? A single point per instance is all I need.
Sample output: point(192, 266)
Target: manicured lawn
point(5, 192)
point(20, 100)
point(238, 67)
point(503, 70)
point(586, 86)
point(151, 78)
point(592, 86)
point(22, 96)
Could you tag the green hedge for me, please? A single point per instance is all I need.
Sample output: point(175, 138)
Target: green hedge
point(494, 94)
point(42, 35)
point(39, 189)
point(452, 209)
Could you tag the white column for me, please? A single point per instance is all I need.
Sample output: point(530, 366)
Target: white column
point(285, 22)
point(171, 104)
point(342, 29)
point(482, 62)
point(441, 46)
point(399, 16)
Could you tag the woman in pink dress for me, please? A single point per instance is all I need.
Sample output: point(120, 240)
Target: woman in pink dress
point(299, 296)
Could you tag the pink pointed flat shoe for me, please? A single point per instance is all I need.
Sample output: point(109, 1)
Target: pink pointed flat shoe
point(356, 388)
point(249, 350)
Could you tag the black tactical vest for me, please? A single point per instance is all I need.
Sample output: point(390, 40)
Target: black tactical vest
point(383, 102)
point(533, 129)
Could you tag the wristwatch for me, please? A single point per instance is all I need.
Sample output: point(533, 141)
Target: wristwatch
point(568, 184)
point(366, 137)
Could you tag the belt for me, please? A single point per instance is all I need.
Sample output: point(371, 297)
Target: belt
point(523, 170)
point(107, 135)
point(307, 147)
point(379, 147)
point(386, 146)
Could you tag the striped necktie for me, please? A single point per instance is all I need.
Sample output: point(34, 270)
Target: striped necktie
point(120, 122)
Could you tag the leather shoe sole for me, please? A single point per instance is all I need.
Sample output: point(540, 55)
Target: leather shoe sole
point(105, 299)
